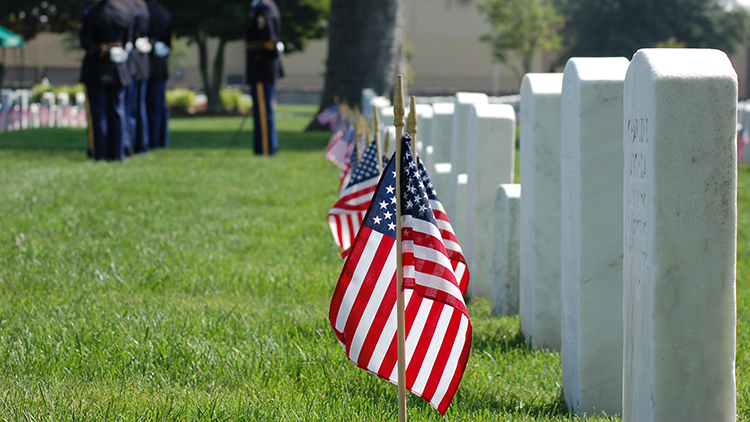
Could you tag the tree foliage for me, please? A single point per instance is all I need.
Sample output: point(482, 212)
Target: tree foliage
point(30, 17)
point(523, 27)
point(620, 27)
point(200, 21)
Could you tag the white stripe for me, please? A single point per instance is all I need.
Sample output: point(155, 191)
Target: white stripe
point(350, 296)
point(386, 337)
point(431, 282)
point(452, 364)
point(420, 320)
point(434, 348)
point(429, 254)
point(371, 309)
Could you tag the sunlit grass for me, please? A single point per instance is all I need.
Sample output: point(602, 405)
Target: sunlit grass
point(193, 284)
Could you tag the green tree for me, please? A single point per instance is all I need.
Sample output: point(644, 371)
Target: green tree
point(597, 28)
point(523, 27)
point(30, 17)
point(200, 21)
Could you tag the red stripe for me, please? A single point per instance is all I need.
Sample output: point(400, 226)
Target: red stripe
point(420, 351)
point(345, 279)
point(350, 229)
point(365, 292)
point(391, 356)
point(436, 373)
point(432, 293)
point(456, 380)
point(378, 324)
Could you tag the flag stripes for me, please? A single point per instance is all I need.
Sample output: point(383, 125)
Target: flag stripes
point(363, 307)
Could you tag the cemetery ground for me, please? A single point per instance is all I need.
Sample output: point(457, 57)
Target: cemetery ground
point(193, 284)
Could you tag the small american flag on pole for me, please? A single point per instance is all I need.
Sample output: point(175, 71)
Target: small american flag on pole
point(363, 308)
point(329, 116)
point(340, 146)
point(345, 217)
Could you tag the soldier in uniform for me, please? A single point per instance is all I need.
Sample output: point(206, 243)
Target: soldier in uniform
point(105, 31)
point(160, 33)
point(262, 32)
point(139, 66)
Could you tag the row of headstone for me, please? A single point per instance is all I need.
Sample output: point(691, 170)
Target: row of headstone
point(468, 145)
point(620, 249)
point(628, 231)
point(17, 112)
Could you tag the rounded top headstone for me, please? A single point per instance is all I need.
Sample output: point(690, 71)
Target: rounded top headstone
point(597, 68)
point(542, 83)
point(443, 108)
point(685, 62)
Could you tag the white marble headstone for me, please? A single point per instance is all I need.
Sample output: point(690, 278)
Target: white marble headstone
point(507, 238)
point(442, 124)
point(490, 150)
point(540, 209)
point(680, 228)
point(591, 219)
point(455, 203)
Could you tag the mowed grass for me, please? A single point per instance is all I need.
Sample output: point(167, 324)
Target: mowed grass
point(193, 284)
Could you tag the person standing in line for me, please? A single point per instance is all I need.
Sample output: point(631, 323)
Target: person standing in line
point(263, 67)
point(105, 31)
point(139, 66)
point(160, 34)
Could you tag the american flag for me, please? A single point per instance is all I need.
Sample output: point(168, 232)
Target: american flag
point(742, 140)
point(340, 147)
point(329, 116)
point(363, 308)
point(346, 215)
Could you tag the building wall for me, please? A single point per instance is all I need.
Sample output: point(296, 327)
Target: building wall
point(446, 56)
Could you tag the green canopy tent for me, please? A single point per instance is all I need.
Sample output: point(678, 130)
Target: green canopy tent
point(10, 39)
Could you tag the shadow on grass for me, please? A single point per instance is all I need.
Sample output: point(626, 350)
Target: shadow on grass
point(76, 139)
point(288, 140)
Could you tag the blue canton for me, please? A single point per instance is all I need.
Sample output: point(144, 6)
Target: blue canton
point(367, 168)
point(381, 216)
point(429, 187)
point(416, 201)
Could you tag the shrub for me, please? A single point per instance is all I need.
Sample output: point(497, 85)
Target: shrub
point(234, 100)
point(180, 99)
point(38, 90)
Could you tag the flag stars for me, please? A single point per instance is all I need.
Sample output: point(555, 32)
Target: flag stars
point(387, 215)
point(383, 205)
point(393, 199)
point(392, 226)
point(377, 220)
point(390, 189)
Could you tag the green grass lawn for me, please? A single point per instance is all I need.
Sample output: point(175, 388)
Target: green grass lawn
point(193, 284)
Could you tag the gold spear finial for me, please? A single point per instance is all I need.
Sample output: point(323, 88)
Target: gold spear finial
point(411, 127)
point(398, 103)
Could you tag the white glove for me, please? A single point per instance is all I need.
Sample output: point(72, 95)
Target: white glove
point(128, 47)
point(117, 55)
point(143, 45)
point(161, 49)
point(280, 47)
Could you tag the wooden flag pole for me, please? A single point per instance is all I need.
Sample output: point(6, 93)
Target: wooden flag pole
point(376, 129)
point(411, 126)
point(399, 122)
point(357, 136)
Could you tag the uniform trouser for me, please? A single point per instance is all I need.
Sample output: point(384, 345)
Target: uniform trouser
point(107, 121)
point(265, 138)
point(137, 116)
point(158, 112)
